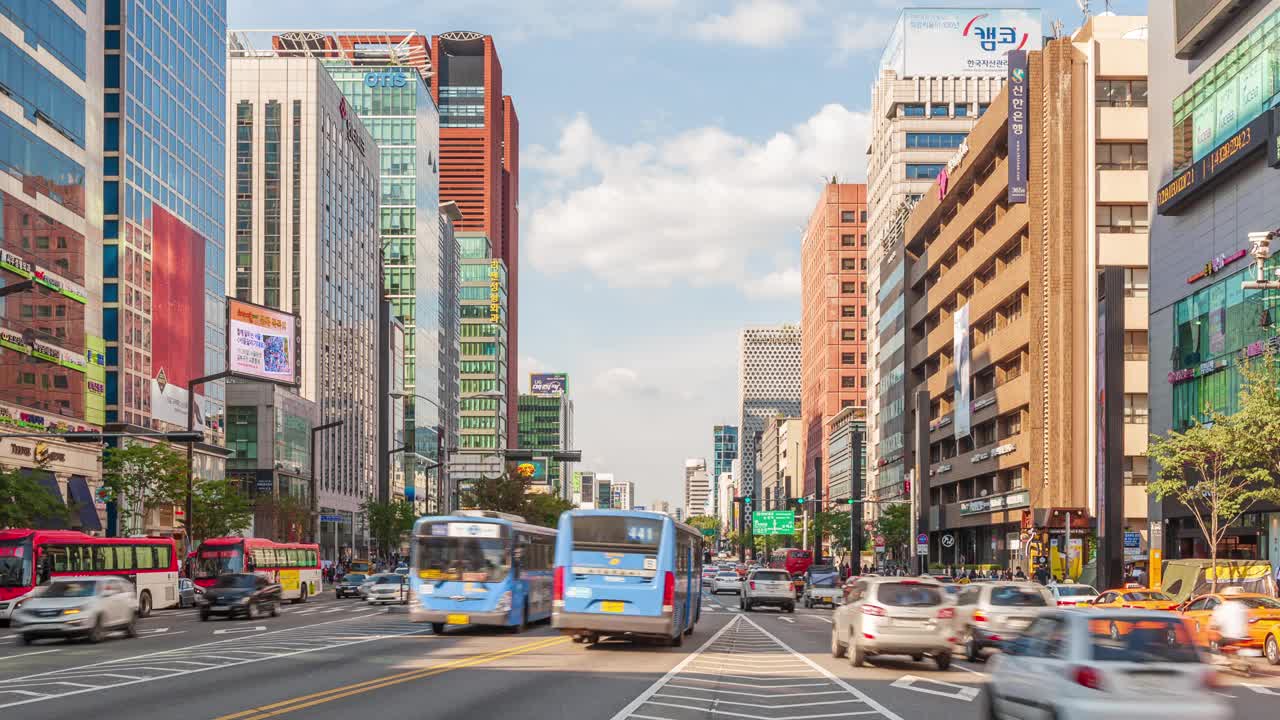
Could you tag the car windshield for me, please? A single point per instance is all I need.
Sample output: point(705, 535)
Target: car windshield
point(70, 589)
point(822, 581)
point(1076, 591)
point(1260, 603)
point(727, 576)
point(1016, 596)
point(468, 559)
point(391, 578)
point(15, 563)
point(239, 582)
point(771, 576)
point(353, 578)
point(216, 560)
point(1141, 640)
point(1146, 596)
point(901, 594)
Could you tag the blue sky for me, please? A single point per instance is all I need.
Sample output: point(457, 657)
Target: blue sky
point(671, 151)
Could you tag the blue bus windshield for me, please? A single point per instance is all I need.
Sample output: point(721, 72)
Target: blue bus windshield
point(464, 559)
point(612, 533)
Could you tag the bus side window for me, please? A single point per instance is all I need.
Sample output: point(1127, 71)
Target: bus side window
point(145, 557)
point(311, 558)
point(59, 556)
point(163, 556)
point(124, 557)
point(103, 558)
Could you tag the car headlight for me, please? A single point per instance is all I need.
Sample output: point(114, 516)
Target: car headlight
point(243, 601)
point(504, 602)
point(71, 611)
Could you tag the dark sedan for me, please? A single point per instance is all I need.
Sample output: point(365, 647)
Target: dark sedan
point(350, 584)
point(243, 594)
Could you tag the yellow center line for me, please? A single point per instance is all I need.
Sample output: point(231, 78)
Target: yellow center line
point(306, 701)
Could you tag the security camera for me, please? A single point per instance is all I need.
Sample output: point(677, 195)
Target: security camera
point(1261, 244)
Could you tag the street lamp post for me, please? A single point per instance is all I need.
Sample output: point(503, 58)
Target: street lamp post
point(313, 485)
point(191, 447)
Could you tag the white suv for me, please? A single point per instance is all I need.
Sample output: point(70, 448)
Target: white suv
point(894, 616)
point(87, 607)
point(768, 587)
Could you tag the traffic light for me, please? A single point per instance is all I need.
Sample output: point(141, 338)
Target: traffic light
point(851, 501)
point(746, 499)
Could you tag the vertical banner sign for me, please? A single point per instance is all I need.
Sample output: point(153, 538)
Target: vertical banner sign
point(960, 352)
point(1017, 137)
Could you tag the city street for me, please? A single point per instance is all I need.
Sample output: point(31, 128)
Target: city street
point(338, 659)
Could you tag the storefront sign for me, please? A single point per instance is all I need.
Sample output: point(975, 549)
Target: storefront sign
point(1217, 264)
point(352, 133)
point(1002, 450)
point(1207, 367)
point(15, 417)
point(992, 504)
point(47, 351)
point(944, 467)
point(980, 457)
point(1017, 126)
point(495, 291)
point(1269, 346)
point(49, 279)
point(1214, 165)
point(385, 78)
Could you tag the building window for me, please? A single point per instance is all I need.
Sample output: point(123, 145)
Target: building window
point(1122, 93)
point(1135, 345)
point(1121, 156)
point(848, 334)
point(271, 206)
point(848, 263)
point(295, 233)
point(848, 216)
point(863, 215)
point(939, 111)
point(847, 359)
point(244, 201)
point(1135, 409)
point(1136, 282)
point(912, 110)
point(1135, 470)
point(848, 381)
point(1122, 218)
point(848, 311)
point(848, 240)
point(923, 171)
point(848, 287)
point(962, 110)
point(864, 263)
point(935, 140)
point(982, 108)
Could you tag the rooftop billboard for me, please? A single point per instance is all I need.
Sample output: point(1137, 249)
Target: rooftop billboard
point(548, 383)
point(262, 343)
point(956, 42)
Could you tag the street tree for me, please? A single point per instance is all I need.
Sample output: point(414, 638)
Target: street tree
point(25, 503)
point(704, 522)
point(220, 508)
point(895, 525)
point(288, 516)
point(142, 477)
point(1220, 469)
point(388, 522)
point(544, 509)
point(504, 493)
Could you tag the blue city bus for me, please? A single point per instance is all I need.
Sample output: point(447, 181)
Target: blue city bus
point(480, 568)
point(626, 572)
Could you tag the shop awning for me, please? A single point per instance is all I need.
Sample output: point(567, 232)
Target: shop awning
point(82, 499)
point(50, 483)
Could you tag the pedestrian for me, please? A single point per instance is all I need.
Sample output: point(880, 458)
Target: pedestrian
point(1018, 574)
point(1139, 576)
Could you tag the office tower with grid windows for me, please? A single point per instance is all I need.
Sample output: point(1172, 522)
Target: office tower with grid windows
point(725, 452)
point(768, 386)
point(305, 183)
point(546, 424)
point(480, 170)
point(53, 355)
point(697, 487)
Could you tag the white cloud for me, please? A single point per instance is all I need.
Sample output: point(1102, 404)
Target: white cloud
point(861, 33)
point(756, 23)
point(623, 383)
point(784, 283)
point(704, 207)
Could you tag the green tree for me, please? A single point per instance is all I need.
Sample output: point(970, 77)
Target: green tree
point(219, 509)
point(287, 516)
point(1221, 469)
point(832, 526)
point(704, 522)
point(895, 525)
point(504, 493)
point(388, 522)
point(544, 508)
point(142, 477)
point(24, 502)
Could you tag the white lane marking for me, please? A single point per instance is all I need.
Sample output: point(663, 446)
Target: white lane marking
point(233, 631)
point(968, 669)
point(37, 652)
point(1261, 689)
point(9, 637)
point(644, 696)
point(830, 675)
point(961, 692)
point(175, 632)
point(153, 631)
point(785, 619)
point(823, 618)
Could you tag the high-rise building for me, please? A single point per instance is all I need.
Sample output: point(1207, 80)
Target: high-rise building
point(1017, 299)
point(484, 372)
point(847, 453)
point(546, 423)
point(781, 462)
point(624, 493)
point(938, 74)
point(1213, 180)
point(697, 487)
point(584, 489)
point(724, 506)
point(306, 170)
point(725, 452)
point(163, 188)
point(52, 337)
point(833, 325)
point(385, 77)
point(768, 385)
point(604, 491)
point(480, 165)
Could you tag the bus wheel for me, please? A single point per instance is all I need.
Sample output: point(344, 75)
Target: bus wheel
point(437, 628)
point(144, 604)
point(301, 597)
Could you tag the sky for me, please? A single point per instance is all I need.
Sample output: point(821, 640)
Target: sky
point(671, 153)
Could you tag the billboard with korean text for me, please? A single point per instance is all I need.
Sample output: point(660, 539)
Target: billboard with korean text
point(954, 42)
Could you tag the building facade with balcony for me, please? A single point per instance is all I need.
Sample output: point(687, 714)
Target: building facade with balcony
point(1214, 179)
point(1009, 346)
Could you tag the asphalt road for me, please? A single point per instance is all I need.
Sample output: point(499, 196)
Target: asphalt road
point(342, 659)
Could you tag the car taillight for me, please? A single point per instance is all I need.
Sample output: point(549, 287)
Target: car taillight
point(668, 591)
point(557, 587)
point(1061, 603)
point(1130, 607)
point(873, 610)
point(1088, 677)
point(946, 613)
point(979, 616)
point(752, 584)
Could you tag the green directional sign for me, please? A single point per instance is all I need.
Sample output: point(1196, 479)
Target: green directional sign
point(773, 522)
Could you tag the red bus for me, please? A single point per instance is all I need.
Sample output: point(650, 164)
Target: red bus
point(30, 558)
point(793, 560)
point(295, 566)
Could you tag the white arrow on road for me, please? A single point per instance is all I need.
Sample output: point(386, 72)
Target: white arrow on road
point(231, 631)
point(153, 631)
point(960, 692)
point(786, 619)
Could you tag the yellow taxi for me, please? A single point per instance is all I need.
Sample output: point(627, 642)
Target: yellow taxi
point(1136, 597)
point(1264, 620)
